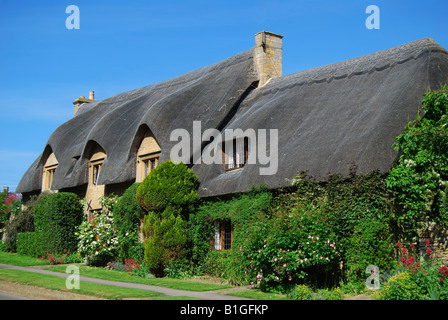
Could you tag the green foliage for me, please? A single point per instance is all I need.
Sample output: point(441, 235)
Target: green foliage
point(289, 248)
point(369, 244)
point(316, 234)
point(301, 292)
point(169, 194)
point(97, 240)
point(165, 239)
point(22, 222)
point(169, 185)
point(415, 277)
point(10, 204)
point(126, 215)
point(419, 179)
point(30, 244)
point(57, 216)
point(239, 210)
point(401, 286)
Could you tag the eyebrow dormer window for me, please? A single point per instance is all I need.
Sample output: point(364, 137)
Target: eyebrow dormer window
point(148, 155)
point(96, 162)
point(236, 153)
point(96, 168)
point(48, 173)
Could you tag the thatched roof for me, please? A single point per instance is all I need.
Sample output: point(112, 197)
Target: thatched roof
point(329, 119)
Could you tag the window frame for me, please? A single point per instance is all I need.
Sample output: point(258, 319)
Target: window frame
point(235, 164)
point(222, 239)
point(49, 172)
point(95, 177)
point(143, 167)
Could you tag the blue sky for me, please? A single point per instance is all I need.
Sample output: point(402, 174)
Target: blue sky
point(124, 45)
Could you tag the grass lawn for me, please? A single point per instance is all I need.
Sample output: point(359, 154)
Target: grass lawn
point(87, 288)
point(20, 260)
point(259, 295)
point(123, 276)
point(111, 292)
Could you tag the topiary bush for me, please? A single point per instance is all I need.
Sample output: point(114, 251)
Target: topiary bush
point(169, 195)
point(169, 185)
point(165, 239)
point(57, 217)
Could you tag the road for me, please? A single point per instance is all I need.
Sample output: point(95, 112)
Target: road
point(6, 296)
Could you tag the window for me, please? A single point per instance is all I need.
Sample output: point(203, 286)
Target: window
point(95, 189)
point(96, 168)
point(148, 163)
point(96, 163)
point(222, 238)
point(50, 167)
point(49, 174)
point(236, 155)
point(148, 154)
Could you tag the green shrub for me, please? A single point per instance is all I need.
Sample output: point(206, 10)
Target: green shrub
point(289, 249)
point(419, 179)
point(126, 215)
point(401, 286)
point(169, 194)
point(358, 208)
point(30, 244)
point(240, 210)
point(165, 239)
point(222, 264)
point(97, 241)
point(10, 204)
point(415, 277)
point(22, 222)
point(369, 244)
point(301, 292)
point(328, 294)
point(169, 185)
point(57, 216)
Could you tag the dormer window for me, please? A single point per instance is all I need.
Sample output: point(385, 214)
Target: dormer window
point(95, 189)
point(148, 155)
point(236, 153)
point(48, 173)
point(95, 167)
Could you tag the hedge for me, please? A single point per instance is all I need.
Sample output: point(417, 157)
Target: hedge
point(30, 244)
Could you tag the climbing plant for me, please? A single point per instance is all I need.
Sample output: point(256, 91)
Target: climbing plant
point(419, 179)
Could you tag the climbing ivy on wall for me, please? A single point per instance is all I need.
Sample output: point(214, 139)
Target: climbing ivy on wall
point(419, 179)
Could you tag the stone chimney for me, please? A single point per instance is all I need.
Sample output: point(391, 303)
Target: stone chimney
point(81, 100)
point(268, 56)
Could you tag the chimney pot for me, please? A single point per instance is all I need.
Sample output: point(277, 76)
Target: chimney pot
point(91, 95)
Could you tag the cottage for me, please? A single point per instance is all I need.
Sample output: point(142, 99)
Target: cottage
point(328, 120)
